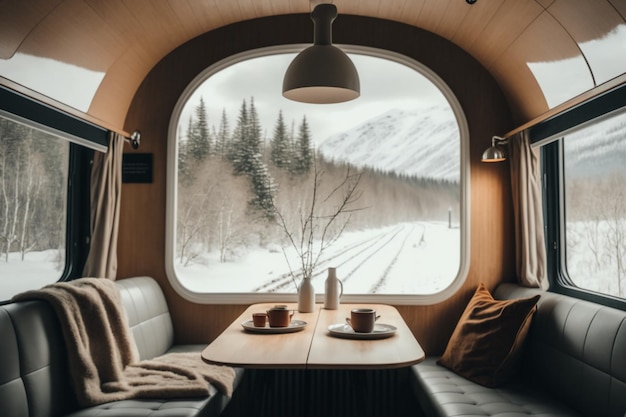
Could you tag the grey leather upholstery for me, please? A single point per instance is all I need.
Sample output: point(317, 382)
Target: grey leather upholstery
point(441, 392)
point(148, 315)
point(154, 408)
point(34, 373)
point(574, 365)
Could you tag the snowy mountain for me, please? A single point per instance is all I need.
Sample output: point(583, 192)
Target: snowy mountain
point(420, 142)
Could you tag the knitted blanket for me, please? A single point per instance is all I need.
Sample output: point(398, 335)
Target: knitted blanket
point(103, 356)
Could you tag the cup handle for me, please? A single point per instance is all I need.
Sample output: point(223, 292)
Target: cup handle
point(349, 321)
point(377, 317)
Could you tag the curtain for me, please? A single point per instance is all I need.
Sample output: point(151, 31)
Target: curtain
point(530, 256)
point(106, 189)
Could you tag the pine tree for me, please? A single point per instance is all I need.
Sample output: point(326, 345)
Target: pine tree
point(247, 140)
point(254, 129)
point(237, 150)
point(222, 137)
point(263, 188)
point(280, 144)
point(183, 155)
point(198, 137)
point(247, 159)
point(303, 157)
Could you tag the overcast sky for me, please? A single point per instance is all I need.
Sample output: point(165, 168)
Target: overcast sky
point(385, 85)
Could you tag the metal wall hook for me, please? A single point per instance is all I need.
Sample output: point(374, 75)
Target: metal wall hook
point(134, 139)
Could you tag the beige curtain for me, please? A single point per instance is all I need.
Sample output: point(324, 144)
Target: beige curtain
point(106, 189)
point(530, 248)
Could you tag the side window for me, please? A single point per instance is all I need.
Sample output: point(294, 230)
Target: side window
point(594, 200)
point(33, 196)
point(266, 188)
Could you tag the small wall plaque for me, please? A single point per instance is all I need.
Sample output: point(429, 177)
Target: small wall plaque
point(137, 168)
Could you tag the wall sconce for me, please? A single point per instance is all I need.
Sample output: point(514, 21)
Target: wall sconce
point(322, 73)
point(495, 153)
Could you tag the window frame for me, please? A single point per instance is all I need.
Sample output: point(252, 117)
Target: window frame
point(248, 298)
point(83, 138)
point(550, 136)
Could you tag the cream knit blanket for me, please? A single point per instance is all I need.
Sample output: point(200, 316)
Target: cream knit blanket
point(103, 356)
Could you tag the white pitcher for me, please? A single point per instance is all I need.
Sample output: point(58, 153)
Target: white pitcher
point(334, 290)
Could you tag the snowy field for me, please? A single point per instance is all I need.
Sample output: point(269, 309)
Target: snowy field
point(36, 270)
point(412, 258)
point(409, 258)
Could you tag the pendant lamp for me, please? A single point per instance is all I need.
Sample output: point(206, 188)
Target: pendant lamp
point(322, 73)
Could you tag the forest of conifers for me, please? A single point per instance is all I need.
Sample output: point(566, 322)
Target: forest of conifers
point(240, 189)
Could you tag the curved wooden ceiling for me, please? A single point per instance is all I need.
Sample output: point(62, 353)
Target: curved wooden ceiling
point(541, 52)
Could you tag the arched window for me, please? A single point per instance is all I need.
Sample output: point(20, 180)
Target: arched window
point(261, 188)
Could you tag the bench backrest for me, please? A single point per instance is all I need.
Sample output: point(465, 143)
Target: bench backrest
point(148, 315)
point(576, 350)
point(34, 373)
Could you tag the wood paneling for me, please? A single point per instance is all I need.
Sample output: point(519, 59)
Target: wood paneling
point(505, 26)
point(126, 39)
point(17, 20)
point(141, 241)
point(74, 34)
point(561, 70)
point(620, 6)
point(594, 27)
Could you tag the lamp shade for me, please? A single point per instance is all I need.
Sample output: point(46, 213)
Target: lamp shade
point(322, 73)
point(493, 154)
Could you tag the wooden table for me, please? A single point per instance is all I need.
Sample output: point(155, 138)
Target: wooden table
point(314, 347)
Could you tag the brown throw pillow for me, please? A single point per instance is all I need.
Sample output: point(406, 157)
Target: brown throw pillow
point(486, 343)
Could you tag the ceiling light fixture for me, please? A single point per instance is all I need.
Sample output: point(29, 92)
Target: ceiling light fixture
point(495, 153)
point(322, 73)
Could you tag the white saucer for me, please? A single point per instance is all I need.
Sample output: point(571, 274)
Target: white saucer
point(380, 331)
point(294, 326)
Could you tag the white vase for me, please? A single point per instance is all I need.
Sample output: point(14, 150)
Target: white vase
point(306, 296)
point(334, 290)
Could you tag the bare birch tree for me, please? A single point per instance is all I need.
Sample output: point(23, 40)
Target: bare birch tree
point(321, 221)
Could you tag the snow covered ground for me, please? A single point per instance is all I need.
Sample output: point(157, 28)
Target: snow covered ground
point(407, 258)
point(36, 270)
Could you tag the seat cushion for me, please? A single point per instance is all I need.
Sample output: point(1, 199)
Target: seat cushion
point(443, 393)
point(201, 407)
point(485, 346)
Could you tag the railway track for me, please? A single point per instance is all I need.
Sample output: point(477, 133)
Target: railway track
point(339, 258)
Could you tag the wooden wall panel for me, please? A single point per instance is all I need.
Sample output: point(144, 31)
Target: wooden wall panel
point(141, 239)
point(17, 20)
point(125, 39)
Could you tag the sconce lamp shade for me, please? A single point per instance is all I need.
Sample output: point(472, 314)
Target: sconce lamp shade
point(322, 73)
point(495, 153)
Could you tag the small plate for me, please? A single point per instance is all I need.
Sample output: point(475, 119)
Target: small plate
point(380, 331)
point(294, 326)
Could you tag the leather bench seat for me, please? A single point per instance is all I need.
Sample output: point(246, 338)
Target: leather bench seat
point(441, 392)
point(34, 370)
point(574, 365)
